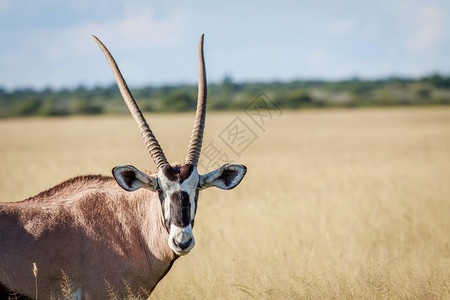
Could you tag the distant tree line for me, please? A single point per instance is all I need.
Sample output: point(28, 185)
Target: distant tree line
point(229, 95)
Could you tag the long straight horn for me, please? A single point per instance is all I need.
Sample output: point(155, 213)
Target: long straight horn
point(195, 144)
point(149, 139)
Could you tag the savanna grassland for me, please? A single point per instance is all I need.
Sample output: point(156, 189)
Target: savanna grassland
point(341, 204)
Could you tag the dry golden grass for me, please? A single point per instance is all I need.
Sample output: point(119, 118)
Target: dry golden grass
point(351, 204)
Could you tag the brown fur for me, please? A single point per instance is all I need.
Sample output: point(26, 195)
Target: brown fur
point(92, 230)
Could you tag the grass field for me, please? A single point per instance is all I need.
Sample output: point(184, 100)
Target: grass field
point(351, 204)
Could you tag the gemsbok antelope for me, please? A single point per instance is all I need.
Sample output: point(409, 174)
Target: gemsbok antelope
point(124, 231)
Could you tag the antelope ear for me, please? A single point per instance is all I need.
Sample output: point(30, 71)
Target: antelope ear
point(225, 178)
point(131, 179)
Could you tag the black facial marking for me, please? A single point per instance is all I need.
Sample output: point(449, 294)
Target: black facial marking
point(178, 173)
point(185, 172)
point(180, 209)
point(171, 172)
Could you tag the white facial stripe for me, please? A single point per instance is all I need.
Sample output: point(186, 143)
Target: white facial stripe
point(166, 207)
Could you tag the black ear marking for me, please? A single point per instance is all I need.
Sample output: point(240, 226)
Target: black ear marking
point(129, 177)
point(228, 176)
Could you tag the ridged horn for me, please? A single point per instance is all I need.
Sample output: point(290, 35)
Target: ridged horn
point(195, 144)
point(147, 135)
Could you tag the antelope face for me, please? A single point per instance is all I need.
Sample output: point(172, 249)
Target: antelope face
point(178, 192)
point(178, 188)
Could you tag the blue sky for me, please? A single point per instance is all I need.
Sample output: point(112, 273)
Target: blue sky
point(48, 43)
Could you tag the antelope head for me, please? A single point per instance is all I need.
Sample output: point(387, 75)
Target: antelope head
point(177, 186)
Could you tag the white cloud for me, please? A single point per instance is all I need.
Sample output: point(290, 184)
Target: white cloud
point(343, 26)
point(54, 55)
point(428, 27)
point(6, 5)
point(137, 28)
point(317, 58)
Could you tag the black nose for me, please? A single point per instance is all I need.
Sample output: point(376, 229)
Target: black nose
point(182, 245)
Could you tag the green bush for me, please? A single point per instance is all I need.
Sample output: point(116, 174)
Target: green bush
point(86, 108)
point(179, 101)
point(27, 107)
